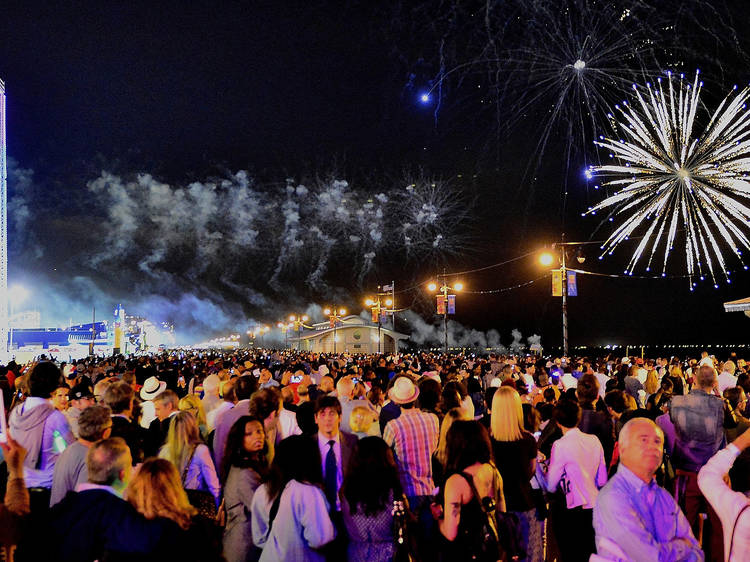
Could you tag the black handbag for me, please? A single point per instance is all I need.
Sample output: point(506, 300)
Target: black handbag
point(501, 531)
point(404, 544)
point(200, 499)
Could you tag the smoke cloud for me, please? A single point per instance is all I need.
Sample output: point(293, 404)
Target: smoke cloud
point(211, 256)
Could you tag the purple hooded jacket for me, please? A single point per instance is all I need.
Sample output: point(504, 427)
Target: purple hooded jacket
point(33, 424)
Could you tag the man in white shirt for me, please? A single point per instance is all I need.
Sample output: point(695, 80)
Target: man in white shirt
point(727, 378)
point(577, 465)
point(731, 504)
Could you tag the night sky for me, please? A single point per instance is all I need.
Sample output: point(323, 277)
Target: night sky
point(306, 90)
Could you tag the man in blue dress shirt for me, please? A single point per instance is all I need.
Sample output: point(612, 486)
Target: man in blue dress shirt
point(634, 518)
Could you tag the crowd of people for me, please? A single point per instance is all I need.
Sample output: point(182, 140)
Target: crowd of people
point(284, 455)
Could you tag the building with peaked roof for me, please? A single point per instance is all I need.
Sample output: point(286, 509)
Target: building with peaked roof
point(741, 305)
point(352, 334)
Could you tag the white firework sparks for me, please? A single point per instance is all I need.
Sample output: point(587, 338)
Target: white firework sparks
point(670, 178)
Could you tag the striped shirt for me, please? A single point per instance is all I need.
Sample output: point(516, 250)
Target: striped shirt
point(414, 437)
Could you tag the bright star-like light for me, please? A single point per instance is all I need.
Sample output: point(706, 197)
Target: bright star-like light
point(424, 98)
point(589, 174)
point(670, 176)
point(579, 64)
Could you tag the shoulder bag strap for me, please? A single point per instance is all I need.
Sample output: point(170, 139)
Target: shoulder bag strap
point(734, 528)
point(187, 465)
point(274, 511)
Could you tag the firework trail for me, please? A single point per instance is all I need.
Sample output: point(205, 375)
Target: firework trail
point(669, 175)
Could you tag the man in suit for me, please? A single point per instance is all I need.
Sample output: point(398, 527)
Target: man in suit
point(165, 406)
point(119, 397)
point(335, 448)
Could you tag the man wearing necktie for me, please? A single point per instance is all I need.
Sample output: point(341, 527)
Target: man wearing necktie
point(335, 447)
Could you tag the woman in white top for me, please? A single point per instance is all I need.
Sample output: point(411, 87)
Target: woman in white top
point(290, 518)
point(190, 455)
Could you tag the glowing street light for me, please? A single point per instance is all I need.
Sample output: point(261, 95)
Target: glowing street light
point(546, 259)
point(379, 308)
point(335, 314)
point(297, 322)
point(443, 290)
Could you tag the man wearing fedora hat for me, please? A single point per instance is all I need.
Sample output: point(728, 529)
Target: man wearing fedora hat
point(151, 388)
point(414, 437)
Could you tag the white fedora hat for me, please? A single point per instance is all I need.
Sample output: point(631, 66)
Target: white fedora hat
point(152, 387)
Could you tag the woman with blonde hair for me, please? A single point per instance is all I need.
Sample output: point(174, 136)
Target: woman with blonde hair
point(192, 403)
point(440, 456)
point(156, 493)
point(652, 383)
point(361, 420)
point(515, 450)
point(192, 459)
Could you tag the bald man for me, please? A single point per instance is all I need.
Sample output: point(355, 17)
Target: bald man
point(634, 518)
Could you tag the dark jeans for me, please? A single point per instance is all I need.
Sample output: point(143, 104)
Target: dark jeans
point(29, 546)
point(426, 526)
point(574, 530)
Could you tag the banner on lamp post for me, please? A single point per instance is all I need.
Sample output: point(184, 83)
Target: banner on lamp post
point(451, 304)
point(556, 283)
point(572, 284)
point(374, 314)
point(440, 304)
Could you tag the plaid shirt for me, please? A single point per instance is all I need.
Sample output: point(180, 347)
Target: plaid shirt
point(414, 437)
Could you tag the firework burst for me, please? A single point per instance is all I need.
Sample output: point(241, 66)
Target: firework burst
point(670, 179)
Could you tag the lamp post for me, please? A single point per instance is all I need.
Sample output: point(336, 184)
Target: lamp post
point(334, 314)
point(298, 322)
point(376, 305)
point(285, 328)
point(547, 259)
point(443, 290)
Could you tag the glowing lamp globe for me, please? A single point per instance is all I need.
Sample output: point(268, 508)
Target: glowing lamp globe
point(546, 259)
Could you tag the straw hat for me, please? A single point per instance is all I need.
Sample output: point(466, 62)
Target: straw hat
point(152, 387)
point(403, 391)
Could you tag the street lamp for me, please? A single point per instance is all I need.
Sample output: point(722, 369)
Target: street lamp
point(335, 314)
point(443, 301)
point(258, 331)
point(547, 259)
point(380, 307)
point(285, 328)
point(298, 322)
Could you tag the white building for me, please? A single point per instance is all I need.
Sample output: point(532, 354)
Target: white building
point(352, 334)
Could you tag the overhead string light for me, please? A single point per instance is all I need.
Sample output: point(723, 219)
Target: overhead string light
point(668, 177)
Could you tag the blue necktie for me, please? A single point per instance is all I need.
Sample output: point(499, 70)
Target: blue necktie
point(330, 475)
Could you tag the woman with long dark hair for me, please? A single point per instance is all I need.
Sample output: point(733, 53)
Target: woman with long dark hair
point(290, 518)
point(367, 496)
point(473, 489)
point(245, 464)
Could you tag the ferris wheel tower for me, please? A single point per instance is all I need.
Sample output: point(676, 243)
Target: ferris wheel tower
point(4, 319)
